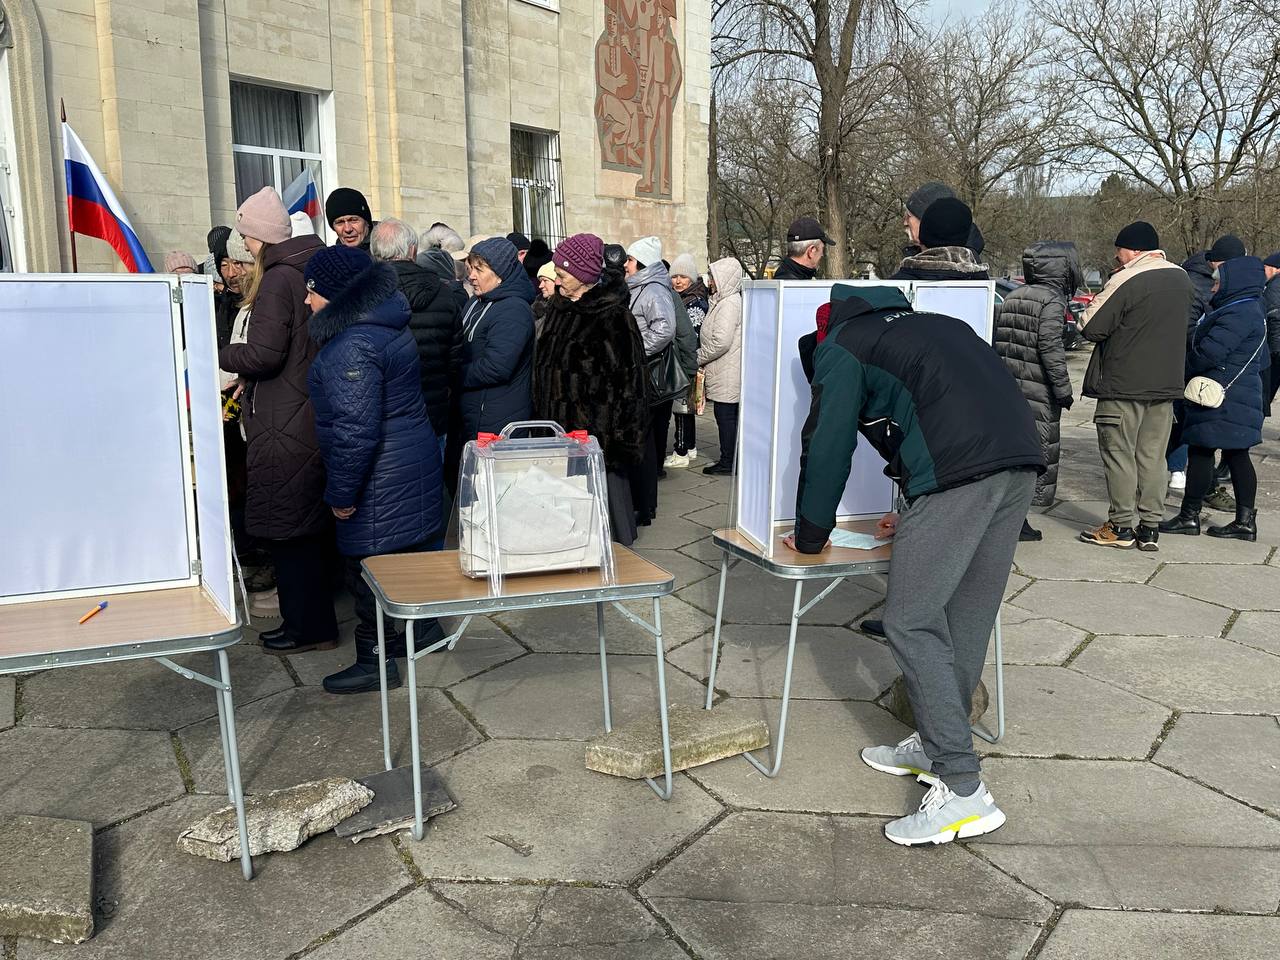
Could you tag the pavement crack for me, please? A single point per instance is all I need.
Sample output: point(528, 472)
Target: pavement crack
point(459, 908)
point(534, 923)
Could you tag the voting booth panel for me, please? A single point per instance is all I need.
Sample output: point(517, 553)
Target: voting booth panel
point(776, 398)
point(96, 458)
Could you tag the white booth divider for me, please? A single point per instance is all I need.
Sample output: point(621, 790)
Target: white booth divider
point(775, 396)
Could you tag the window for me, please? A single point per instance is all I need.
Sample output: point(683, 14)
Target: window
point(537, 206)
point(275, 137)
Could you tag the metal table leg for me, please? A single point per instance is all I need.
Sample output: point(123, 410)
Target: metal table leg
point(382, 688)
point(715, 634)
point(655, 630)
point(978, 728)
point(604, 669)
point(227, 710)
point(415, 748)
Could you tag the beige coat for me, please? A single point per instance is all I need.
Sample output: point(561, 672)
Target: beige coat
point(720, 355)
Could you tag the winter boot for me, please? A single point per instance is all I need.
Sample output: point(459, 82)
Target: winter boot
point(1029, 534)
point(1187, 521)
point(1245, 526)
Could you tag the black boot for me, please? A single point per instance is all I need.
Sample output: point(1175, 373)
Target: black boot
point(361, 677)
point(1029, 534)
point(874, 628)
point(1187, 522)
point(1245, 526)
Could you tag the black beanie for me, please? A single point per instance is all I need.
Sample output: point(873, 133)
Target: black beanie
point(346, 202)
point(947, 223)
point(518, 240)
point(1225, 248)
point(926, 195)
point(1139, 236)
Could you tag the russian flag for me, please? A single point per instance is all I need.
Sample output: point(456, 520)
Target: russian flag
point(93, 208)
point(301, 196)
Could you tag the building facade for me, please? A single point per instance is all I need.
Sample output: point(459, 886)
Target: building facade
point(548, 116)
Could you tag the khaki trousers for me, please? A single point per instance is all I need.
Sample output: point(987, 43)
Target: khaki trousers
point(1132, 436)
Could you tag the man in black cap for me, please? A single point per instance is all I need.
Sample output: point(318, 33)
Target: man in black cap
point(806, 245)
point(520, 242)
point(1136, 373)
point(920, 200)
point(944, 235)
point(348, 214)
point(1224, 249)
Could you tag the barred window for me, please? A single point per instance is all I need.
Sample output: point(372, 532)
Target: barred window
point(537, 203)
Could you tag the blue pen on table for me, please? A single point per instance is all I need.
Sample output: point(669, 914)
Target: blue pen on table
point(96, 610)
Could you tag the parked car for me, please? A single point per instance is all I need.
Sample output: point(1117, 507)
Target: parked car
point(1070, 320)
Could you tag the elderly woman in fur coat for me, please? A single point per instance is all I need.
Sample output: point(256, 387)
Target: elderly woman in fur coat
point(589, 373)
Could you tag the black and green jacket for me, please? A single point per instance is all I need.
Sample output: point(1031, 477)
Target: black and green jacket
point(927, 393)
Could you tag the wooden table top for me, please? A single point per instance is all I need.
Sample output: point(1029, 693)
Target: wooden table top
point(785, 556)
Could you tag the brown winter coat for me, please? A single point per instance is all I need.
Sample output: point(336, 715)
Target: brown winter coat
point(286, 475)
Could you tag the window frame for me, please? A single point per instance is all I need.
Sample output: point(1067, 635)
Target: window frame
point(524, 187)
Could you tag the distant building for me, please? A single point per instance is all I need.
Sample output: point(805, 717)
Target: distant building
point(546, 116)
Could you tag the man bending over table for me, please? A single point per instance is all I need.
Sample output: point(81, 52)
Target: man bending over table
point(938, 404)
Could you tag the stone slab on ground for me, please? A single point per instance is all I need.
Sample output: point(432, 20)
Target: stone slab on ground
point(1128, 608)
point(821, 768)
point(392, 806)
point(530, 810)
point(163, 903)
point(8, 702)
point(1234, 586)
point(1121, 835)
point(1196, 674)
point(559, 696)
point(102, 776)
point(1054, 559)
point(831, 663)
point(1258, 630)
point(277, 821)
point(1238, 755)
point(1106, 935)
point(634, 749)
point(670, 533)
point(447, 921)
point(752, 596)
point(684, 568)
point(46, 879)
point(1029, 639)
point(573, 629)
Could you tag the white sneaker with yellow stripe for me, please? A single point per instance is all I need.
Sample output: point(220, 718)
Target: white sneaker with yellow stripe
point(943, 817)
point(907, 758)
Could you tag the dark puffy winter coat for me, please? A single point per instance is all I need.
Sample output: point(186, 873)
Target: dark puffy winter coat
point(284, 497)
point(1230, 343)
point(942, 263)
point(436, 326)
point(496, 361)
point(1201, 276)
point(1028, 338)
point(1271, 303)
point(379, 450)
point(590, 371)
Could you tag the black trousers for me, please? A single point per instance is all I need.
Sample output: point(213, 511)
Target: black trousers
point(367, 611)
point(644, 477)
point(727, 424)
point(1244, 480)
point(304, 586)
point(686, 432)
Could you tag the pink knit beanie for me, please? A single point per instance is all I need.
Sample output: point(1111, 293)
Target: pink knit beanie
point(263, 217)
point(582, 255)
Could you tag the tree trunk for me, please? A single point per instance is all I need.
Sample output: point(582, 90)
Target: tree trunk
point(713, 184)
point(829, 185)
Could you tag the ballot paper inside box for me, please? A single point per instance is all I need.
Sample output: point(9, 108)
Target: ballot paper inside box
point(533, 500)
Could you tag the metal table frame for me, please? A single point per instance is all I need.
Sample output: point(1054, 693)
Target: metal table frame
point(837, 573)
point(468, 608)
point(160, 651)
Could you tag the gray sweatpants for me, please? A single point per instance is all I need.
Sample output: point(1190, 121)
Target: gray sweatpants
point(951, 560)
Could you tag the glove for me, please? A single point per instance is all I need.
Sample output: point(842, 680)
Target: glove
point(1065, 403)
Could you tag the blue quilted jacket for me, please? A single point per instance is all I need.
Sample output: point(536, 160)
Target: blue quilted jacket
point(380, 452)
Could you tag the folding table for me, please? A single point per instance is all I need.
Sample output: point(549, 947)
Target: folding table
point(836, 564)
point(422, 586)
point(140, 625)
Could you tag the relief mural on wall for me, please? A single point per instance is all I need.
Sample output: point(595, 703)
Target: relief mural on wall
point(638, 75)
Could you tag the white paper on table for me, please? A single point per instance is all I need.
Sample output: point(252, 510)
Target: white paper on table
point(852, 540)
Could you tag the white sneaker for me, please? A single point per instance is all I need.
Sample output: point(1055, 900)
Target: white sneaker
point(1178, 480)
point(906, 759)
point(943, 817)
point(692, 455)
point(675, 461)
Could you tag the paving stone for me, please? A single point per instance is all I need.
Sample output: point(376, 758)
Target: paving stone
point(47, 866)
point(704, 550)
point(1106, 935)
point(1028, 638)
point(1016, 583)
point(486, 922)
point(713, 516)
point(98, 775)
point(1057, 558)
point(831, 663)
point(1260, 630)
point(1230, 585)
point(698, 736)
point(305, 734)
point(821, 769)
point(752, 596)
point(1128, 608)
point(833, 887)
point(558, 696)
point(685, 569)
point(483, 646)
point(529, 809)
point(716, 489)
point(682, 503)
point(1199, 674)
point(1238, 755)
point(162, 902)
point(573, 629)
point(143, 695)
point(1053, 710)
point(669, 534)
point(8, 702)
point(1130, 836)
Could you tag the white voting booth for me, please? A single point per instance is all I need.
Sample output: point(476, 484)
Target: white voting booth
point(776, 397)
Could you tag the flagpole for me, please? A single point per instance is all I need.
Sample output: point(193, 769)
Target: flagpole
point(75, 263)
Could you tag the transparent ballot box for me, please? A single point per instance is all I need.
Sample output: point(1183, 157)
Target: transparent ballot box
point(532, 503)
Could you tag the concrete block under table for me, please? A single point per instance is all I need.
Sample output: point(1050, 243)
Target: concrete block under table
point(392, 807)
point(46, 879)
point(634, 749)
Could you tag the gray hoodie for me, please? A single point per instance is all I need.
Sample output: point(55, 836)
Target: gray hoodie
point(653, 307)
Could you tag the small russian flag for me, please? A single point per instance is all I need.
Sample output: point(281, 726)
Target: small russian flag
point(301, 196)
point(93, 208)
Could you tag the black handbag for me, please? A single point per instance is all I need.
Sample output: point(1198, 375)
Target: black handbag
point(667, 379)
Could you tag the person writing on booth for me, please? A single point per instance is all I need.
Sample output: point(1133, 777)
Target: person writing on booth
point(939, 405)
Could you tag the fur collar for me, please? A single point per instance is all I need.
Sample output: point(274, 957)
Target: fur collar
point(955, 259)
point(362, 301)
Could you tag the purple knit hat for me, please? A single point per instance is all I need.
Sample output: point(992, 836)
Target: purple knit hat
point(582, 255)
